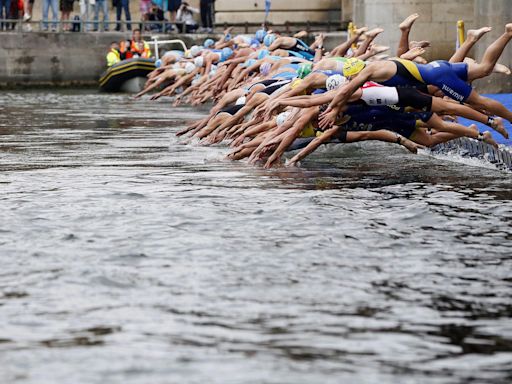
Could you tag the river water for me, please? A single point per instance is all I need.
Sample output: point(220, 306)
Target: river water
point(127, 257)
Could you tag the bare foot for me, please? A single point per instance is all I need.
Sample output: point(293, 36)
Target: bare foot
point(413, 53)
point(476, 34)
point(487, 138)
point(421, 44)
point(499, 127)
point(376, 49)
point(360, 31)
point(500, 68)
point(300, 34)
point(410, 145)
point(408, 22)
point(374, 33)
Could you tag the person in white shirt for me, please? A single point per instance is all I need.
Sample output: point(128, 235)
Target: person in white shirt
point(185, 16)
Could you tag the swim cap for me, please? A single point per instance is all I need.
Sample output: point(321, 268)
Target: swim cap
point(240, 100)
point(265, 68)
point(260, 35)
point(226, 53)
point(248, 63)
point(304, 70)
point(352, 67)
point(190, 67)
point(188, 54)
point(227, 37)
point(208, 43)
point(263, 53)
point(335, 81)
point(199, 61)
point(158, 63)
point(269, 39)
point(282, 117)
point(195, 50)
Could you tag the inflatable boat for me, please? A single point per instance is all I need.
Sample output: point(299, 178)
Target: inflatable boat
point(127, 75)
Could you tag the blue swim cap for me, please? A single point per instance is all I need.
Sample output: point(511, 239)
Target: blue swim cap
point(263, 53)
point(254, 43)
point(208, 43)
point(158, 63)
point(260, 35)
point(269, 39)
point(227, 37)
point(226, 53)
point(249, 62)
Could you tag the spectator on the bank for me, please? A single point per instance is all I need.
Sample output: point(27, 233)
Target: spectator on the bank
point(103, 6)
point(145, 8)
point(156, 14)
point(5, 10)
point(28, 6)
point(173, 6)
point(16, 12)
point(53, 4)
point(186, 15)
point(86, 9)
point(207, 15)
point(66, 7)
point(120, 5)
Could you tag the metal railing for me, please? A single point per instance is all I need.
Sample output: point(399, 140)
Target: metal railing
point(19, 25)
point(164, 26)
point(289, 27)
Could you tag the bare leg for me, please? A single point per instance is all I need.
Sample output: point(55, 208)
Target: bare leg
point(492, 106)
point(405, 28)
point(491, 56)
point(342, 49)
point(473, 36)
point(441, 106)
point(370, 36)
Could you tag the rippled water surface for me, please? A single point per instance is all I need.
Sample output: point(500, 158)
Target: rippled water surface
point(127, 257)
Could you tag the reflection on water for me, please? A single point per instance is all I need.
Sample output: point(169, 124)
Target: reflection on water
point(128, 257)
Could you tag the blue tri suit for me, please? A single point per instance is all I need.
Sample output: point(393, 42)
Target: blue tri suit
point(450, 78)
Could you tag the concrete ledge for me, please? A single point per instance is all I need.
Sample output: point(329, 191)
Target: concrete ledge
point(60, 59)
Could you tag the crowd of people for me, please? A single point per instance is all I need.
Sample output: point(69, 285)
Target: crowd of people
point(156, 15)
point(274, 93)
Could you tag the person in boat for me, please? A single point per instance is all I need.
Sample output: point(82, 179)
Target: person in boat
point(135, 47)
point(113, 55)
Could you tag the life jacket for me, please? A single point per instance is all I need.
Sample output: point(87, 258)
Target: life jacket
point(113, 57)
point(130, 49)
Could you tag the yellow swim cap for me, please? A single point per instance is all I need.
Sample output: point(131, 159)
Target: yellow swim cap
point(352, 67)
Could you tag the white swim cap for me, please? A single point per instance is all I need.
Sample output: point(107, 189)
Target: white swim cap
point(282, 117)
point(195, 50)
point(335, 81)
point(240, 100)
point(189, 67)
point(199, 61)
point(213, 70)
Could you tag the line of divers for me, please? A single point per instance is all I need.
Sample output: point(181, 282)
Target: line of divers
point(275, 93)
